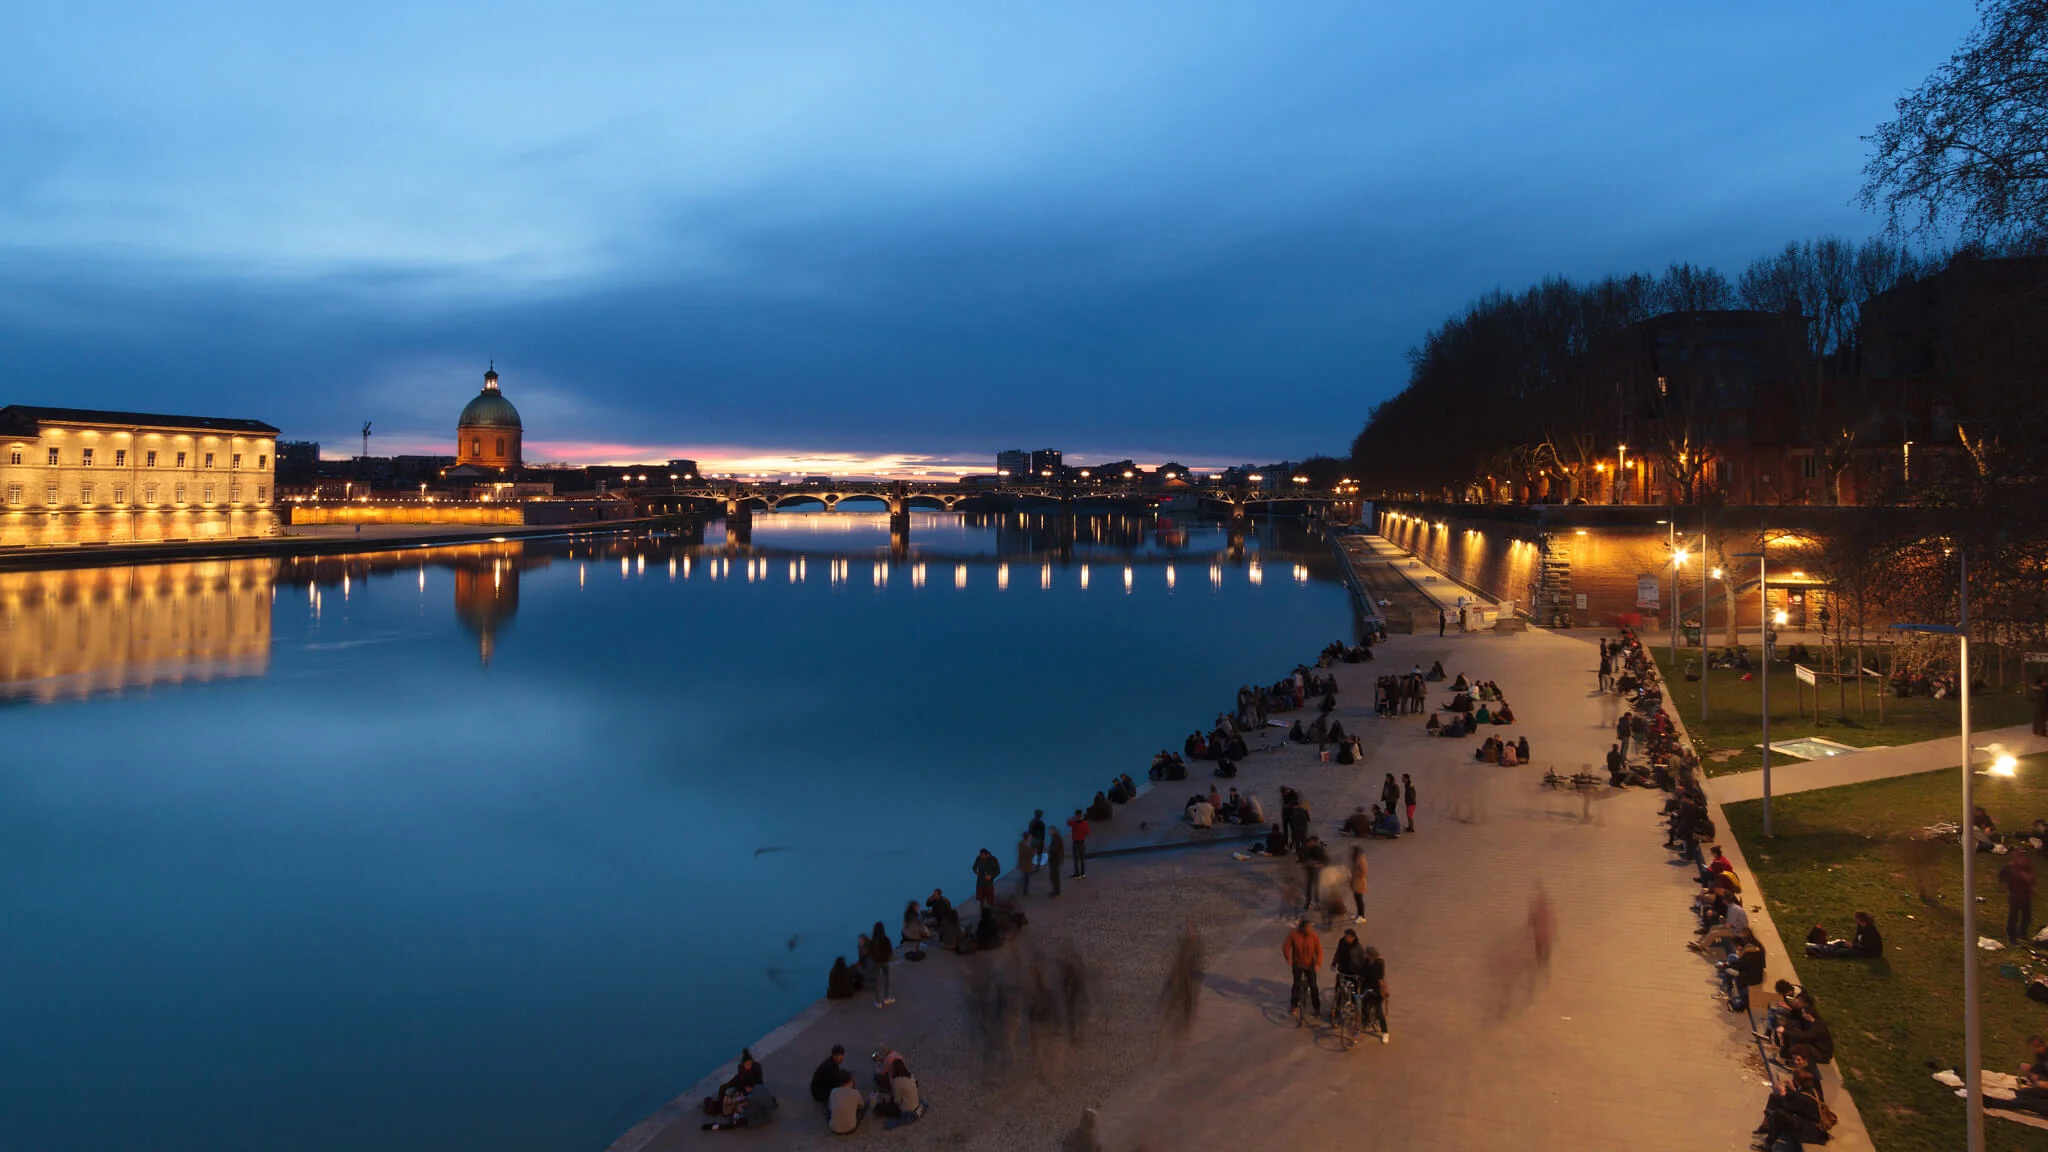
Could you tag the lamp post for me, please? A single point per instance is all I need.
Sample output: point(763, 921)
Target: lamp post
point(1703, 627)
point(1671, 552)
point(1763, 591)
point(1973, 1039)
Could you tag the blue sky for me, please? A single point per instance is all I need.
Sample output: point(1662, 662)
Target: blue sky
point(881, 232)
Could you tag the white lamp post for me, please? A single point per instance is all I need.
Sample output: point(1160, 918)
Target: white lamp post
point(1973, 1040)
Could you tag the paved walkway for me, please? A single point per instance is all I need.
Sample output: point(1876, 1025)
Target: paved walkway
point(1619, 1042)
point(1790, 775)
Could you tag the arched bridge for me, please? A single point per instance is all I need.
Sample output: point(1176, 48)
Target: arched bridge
point(740, 500)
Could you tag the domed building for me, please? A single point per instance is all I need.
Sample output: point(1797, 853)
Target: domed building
point(487, 432)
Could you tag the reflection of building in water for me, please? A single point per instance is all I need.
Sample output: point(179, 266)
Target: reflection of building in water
point(73, 633)
point(486, 577)
point(486, 599)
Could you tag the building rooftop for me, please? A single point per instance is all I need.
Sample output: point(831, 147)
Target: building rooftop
point(17, 414)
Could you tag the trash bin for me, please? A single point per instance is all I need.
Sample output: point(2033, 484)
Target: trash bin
point(1692, 634)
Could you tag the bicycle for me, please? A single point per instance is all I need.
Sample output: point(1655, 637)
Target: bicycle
point(1349, 1007)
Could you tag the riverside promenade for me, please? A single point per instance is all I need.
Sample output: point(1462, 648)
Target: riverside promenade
point(1617, 1042)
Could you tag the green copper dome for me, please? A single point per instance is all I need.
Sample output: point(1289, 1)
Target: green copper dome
point(489, 409)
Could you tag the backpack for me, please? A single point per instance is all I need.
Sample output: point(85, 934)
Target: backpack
point(2037, 989)
point(760, 1106)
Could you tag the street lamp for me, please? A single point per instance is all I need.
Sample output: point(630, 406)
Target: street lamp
point(1704, 662)
point(1620, 471)
point(1763, 623)
point(1973, 1040)
point(1671, 549)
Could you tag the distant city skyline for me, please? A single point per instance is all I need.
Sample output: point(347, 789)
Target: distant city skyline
point(781, 236)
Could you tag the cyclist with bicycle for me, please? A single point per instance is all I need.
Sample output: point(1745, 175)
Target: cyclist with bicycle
point(1348, 998)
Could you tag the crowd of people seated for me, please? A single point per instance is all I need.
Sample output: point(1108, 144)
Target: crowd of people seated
point(1507, 753)
point(1347, 653)
point(1208, 809)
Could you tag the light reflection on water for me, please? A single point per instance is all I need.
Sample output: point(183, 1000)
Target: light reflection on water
point(456, 847)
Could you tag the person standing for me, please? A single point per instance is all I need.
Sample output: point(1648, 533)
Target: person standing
point(1304, 952)
point(1027, 863)
point(1408, 798)
point(1623, 733)
point(1358, 877)
point(1077, 831)
point(1314, 858)
point(1390, 794)
point(1297, 826)
point(1375, 985)
point(1606, 669)
point(1443, 620)
point(879, 953)
point(1055, 856)
point(2018, 877)
point(986, 869)
point(1036, 830)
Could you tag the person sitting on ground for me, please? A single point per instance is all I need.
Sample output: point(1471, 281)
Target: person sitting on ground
point(1276, 841)
point(1460, 684)
point(1298, 734)
point(1743, 970)
point(1099, 810)
point(733, 1093)
point(1864, 944)
point(1786, 999)
point(1337, 735)
point(947, 929)
point(1201, 813)
point(1503, 714)
point(1508, 758)
point(1482, 716)
point(2032, 1093)
point(1983, 829)
point(845, 1107)
point(1130, 786)
point(1434, 725)
point(914, 931)
point(1522, 749)
point(1388, 826)
point(1358, 823)
point(1436, 671)
point(895, 1088)
point(831, 1074)
point(1251, 811)
point(1733, 924)
point(842, 982)
point(1806, 1027)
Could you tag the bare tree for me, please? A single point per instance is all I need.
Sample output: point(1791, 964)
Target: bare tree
point(1969, 147)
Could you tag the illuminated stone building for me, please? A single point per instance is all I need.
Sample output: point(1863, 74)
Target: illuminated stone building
point(487, 433)
point(79, 476)
point(81, 632)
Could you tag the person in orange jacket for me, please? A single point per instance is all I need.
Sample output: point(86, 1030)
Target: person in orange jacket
point(1304, 952)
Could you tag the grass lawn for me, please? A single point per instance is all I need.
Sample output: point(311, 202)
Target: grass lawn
point(1735, 713)
point(1842, 850)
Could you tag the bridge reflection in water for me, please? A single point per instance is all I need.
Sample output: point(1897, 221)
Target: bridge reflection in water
point(69, 634)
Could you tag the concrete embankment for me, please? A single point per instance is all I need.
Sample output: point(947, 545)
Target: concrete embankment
point(305, 544)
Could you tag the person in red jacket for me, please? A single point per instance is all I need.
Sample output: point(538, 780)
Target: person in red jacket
point(1077, 835)
point(1304, 952)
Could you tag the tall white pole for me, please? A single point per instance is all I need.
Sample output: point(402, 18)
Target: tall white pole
point(1704, 568)
point(1671, 549)
point(1973, 1057)
point(1763, 580)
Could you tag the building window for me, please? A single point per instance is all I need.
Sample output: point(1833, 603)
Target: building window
point(149, 459)
point(149, 493)
point(179, 493)
point(181, 459)
point(234, 493)
point(53, 457)
point(206, 494)
point(50, 495)
point(209, 460)
point(262, 462)
point(501, 446)
point(120, 494)
point(235, 461)
point(262, 493)
point(85, 494)
point(120, 457)
point(476, 447)
point(1809, 467)
point(14, 494)
point(85, 457)
point(14, 457)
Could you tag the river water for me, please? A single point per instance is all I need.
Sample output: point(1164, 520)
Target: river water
point(499, 846)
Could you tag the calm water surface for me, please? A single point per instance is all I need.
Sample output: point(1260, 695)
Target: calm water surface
point(457, 848)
